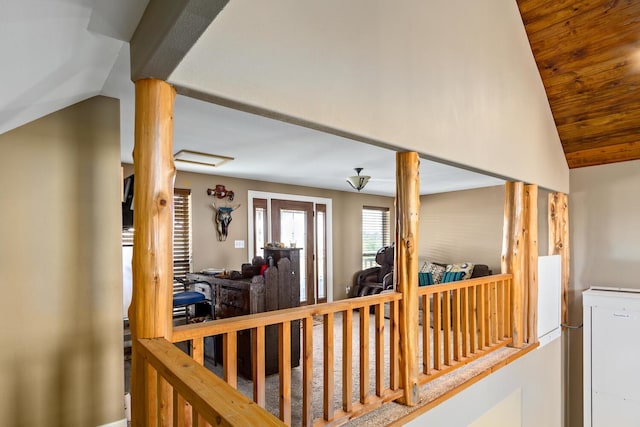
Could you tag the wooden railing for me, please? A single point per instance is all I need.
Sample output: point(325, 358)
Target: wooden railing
point(376, 340)
point(462, 321)
point(190, 395)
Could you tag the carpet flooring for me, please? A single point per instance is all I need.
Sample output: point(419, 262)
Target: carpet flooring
point(381, 416)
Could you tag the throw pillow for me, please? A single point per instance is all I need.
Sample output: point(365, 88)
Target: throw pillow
point(436, 271)
point(465, 267)
point(425, 279)
point(452, 276)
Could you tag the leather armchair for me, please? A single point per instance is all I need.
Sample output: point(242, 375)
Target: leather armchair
point(374, 280)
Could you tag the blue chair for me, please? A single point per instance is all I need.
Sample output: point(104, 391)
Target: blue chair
point(187, 297)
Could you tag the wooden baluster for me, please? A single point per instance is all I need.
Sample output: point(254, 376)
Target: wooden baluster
point(456, 324)
point(509, 303)
point(501, 309)
point(437, 341)
point(446, 328)
point(493, 288)
point(178, 410)
point(481, 309)
point(473, 319)
point(307, 371)
point(165, 402)
point(426, 335)
point(183, 411)
point(347, 362)
point(379, 349)
point(195, 418)
point(464, 310)
point(152, 394)
point(284, 364)
point(364, 353)
point(197, 350)
point(394, 336)
point(229, 358)
point(327, 404)
point(487, 315)
point(258, 349)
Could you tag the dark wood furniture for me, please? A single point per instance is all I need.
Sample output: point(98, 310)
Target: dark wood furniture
point(279, 288)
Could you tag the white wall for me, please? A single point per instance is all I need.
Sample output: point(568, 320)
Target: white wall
point(451, 79)
point(535, 377)
point(604, 224)
point(463, 226)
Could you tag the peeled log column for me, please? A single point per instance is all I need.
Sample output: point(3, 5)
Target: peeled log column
point(154, 171)
point(559, 242)
point(531, 233)
point(406, 253)
point(513, 255)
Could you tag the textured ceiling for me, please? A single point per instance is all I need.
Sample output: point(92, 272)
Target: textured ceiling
point(71, 50)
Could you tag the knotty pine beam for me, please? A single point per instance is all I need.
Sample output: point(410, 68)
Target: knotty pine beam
point(559, 243)
point(154, 171)
point(531, 239)
point(513, 255)
point(406, 254)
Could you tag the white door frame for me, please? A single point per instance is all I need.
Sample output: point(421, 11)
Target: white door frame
point(252, 194)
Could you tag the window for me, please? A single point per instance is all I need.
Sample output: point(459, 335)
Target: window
point(259, 226)
point(181, 233)
point(375, 233)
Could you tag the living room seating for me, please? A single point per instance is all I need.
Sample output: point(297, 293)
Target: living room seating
point(374, 280)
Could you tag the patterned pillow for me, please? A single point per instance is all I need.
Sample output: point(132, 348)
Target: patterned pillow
point(425, 267)
point(466, 268)
point(452, 276)
point(435, 270)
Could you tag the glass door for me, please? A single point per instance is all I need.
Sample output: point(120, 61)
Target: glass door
point(321, 253)
point(292, 224)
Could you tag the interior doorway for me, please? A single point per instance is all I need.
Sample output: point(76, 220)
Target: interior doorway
point(300, 221)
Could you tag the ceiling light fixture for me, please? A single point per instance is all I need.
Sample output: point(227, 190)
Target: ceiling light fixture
point(358, 181)
point(198, 158)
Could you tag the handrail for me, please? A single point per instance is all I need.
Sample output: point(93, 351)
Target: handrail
point(211, 398)
point(266, 318)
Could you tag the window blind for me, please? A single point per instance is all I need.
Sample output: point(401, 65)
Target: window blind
point(181, 233)
point(375, 233)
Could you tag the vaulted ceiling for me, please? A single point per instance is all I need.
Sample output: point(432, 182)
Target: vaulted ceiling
point(588, 55)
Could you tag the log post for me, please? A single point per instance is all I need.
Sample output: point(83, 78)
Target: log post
point(531, 238)
point(559, 243)
point(513, 259)
point(406, 264)
point(154, 171)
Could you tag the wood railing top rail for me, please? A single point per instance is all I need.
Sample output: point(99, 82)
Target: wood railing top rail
point(461, 284)
point(212, 398)
point(239, 323)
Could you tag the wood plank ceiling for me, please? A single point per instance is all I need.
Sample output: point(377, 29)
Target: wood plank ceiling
point(588, 54)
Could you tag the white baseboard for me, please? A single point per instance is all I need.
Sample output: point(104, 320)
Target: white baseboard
point(119, 423)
